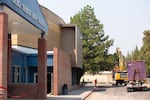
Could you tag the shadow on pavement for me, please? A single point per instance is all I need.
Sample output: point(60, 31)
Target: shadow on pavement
point(104, 87)
point(99, 90)
point(109, 86)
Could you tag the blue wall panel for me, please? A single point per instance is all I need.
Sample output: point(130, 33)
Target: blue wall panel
point(32, 61)
point(19, 59)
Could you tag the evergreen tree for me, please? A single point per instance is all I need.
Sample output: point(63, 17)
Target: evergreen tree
point(136, 54)
point(145, 50)
point(95, 42)
point(143, 53)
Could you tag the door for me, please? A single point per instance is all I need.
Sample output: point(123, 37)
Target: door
point(48, 82)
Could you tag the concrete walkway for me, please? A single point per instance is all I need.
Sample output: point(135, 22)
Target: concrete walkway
point(76, 94)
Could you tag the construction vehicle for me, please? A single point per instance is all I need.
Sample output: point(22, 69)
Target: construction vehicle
point(119, 72)
point(136, 76)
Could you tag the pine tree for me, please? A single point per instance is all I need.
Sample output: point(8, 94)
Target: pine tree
point(145, 50)
point(95, 42)
point(143, 53)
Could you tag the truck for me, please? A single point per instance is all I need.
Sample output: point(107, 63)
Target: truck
point(136, 73)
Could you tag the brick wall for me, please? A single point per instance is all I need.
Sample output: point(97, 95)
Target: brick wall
point(62, 71)
point(23, 90)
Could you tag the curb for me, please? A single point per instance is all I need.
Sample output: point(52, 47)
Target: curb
point(87, 94)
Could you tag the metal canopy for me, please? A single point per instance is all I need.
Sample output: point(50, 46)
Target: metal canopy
point(24, 16)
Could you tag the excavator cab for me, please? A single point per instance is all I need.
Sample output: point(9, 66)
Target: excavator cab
point(121, 78)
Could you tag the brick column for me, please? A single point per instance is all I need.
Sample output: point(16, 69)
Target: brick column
point(55, 73)
point(3, 54)
point(9, 77)
point(42, 68)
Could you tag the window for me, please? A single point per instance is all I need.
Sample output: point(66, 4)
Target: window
point(16, 74)
point(35, 77)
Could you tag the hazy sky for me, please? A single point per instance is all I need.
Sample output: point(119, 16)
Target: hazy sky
point(123, 20)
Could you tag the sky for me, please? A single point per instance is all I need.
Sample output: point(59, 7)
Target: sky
point(123, 20)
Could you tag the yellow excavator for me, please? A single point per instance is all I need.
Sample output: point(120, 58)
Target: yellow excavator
point(119, 72)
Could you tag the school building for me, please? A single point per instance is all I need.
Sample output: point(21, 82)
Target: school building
point(39, 52)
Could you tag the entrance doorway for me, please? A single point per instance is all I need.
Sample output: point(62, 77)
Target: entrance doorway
point(49, 82)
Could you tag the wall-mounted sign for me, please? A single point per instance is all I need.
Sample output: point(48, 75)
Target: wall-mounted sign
point(29, 10)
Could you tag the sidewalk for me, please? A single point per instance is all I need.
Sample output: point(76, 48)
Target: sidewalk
point(76, 94)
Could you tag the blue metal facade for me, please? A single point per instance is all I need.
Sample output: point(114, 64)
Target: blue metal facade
point(27, 64)
point(29, 60)
point(33, 61)
point(19, 60)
